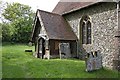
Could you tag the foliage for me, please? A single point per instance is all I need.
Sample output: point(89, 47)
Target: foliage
point(2, 7)
point(18, 64)
point(0, 34)
point(19, 23)
point(7, 31)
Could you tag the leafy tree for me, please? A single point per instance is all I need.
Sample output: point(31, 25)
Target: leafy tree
point(3, 5)
point(19, 24)
point(17, 10)
point(7, 32)
point(0, 32)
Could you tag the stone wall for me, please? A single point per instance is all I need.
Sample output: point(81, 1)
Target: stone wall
point(104, 29)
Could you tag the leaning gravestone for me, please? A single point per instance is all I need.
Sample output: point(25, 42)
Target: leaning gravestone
point(93, 61)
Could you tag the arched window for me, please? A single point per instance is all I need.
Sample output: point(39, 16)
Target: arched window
point(86, 30)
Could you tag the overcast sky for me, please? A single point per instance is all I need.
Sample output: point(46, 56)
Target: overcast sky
point(47, 5)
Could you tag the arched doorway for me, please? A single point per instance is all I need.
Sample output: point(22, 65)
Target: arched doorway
point(41, 47)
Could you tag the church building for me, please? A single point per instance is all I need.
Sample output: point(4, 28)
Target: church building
point(74, 29)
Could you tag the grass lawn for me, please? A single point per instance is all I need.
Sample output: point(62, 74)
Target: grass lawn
point(0, 60)
point(18, 64)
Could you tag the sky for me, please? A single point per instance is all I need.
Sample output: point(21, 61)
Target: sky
point(46, 5)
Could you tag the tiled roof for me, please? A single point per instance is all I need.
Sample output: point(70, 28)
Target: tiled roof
point(56, 26)
point(66, 7)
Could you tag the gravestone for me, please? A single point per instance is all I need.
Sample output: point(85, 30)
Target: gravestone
point(93, 61)
point(64, 50)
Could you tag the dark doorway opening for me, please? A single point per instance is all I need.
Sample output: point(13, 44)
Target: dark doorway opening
point(41, 48)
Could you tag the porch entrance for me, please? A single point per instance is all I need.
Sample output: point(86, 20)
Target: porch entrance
point(41, 48)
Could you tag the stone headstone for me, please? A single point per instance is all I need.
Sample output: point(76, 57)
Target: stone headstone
point(93, 61)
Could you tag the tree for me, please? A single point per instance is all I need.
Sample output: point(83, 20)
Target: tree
point(2, 7)
point(7, 32)
point(17, 10)
point(0, 32)
point(20, 19)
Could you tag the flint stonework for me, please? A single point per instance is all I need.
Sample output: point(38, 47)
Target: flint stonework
point(103, 17)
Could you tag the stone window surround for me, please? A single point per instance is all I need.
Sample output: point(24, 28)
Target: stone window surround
point(87, 36)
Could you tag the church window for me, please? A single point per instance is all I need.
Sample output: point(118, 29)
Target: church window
point(86, 30)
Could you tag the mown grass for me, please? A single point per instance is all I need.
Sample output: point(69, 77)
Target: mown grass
point(18, 64)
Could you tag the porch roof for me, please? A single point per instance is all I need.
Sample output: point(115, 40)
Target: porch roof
point(55, 26)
